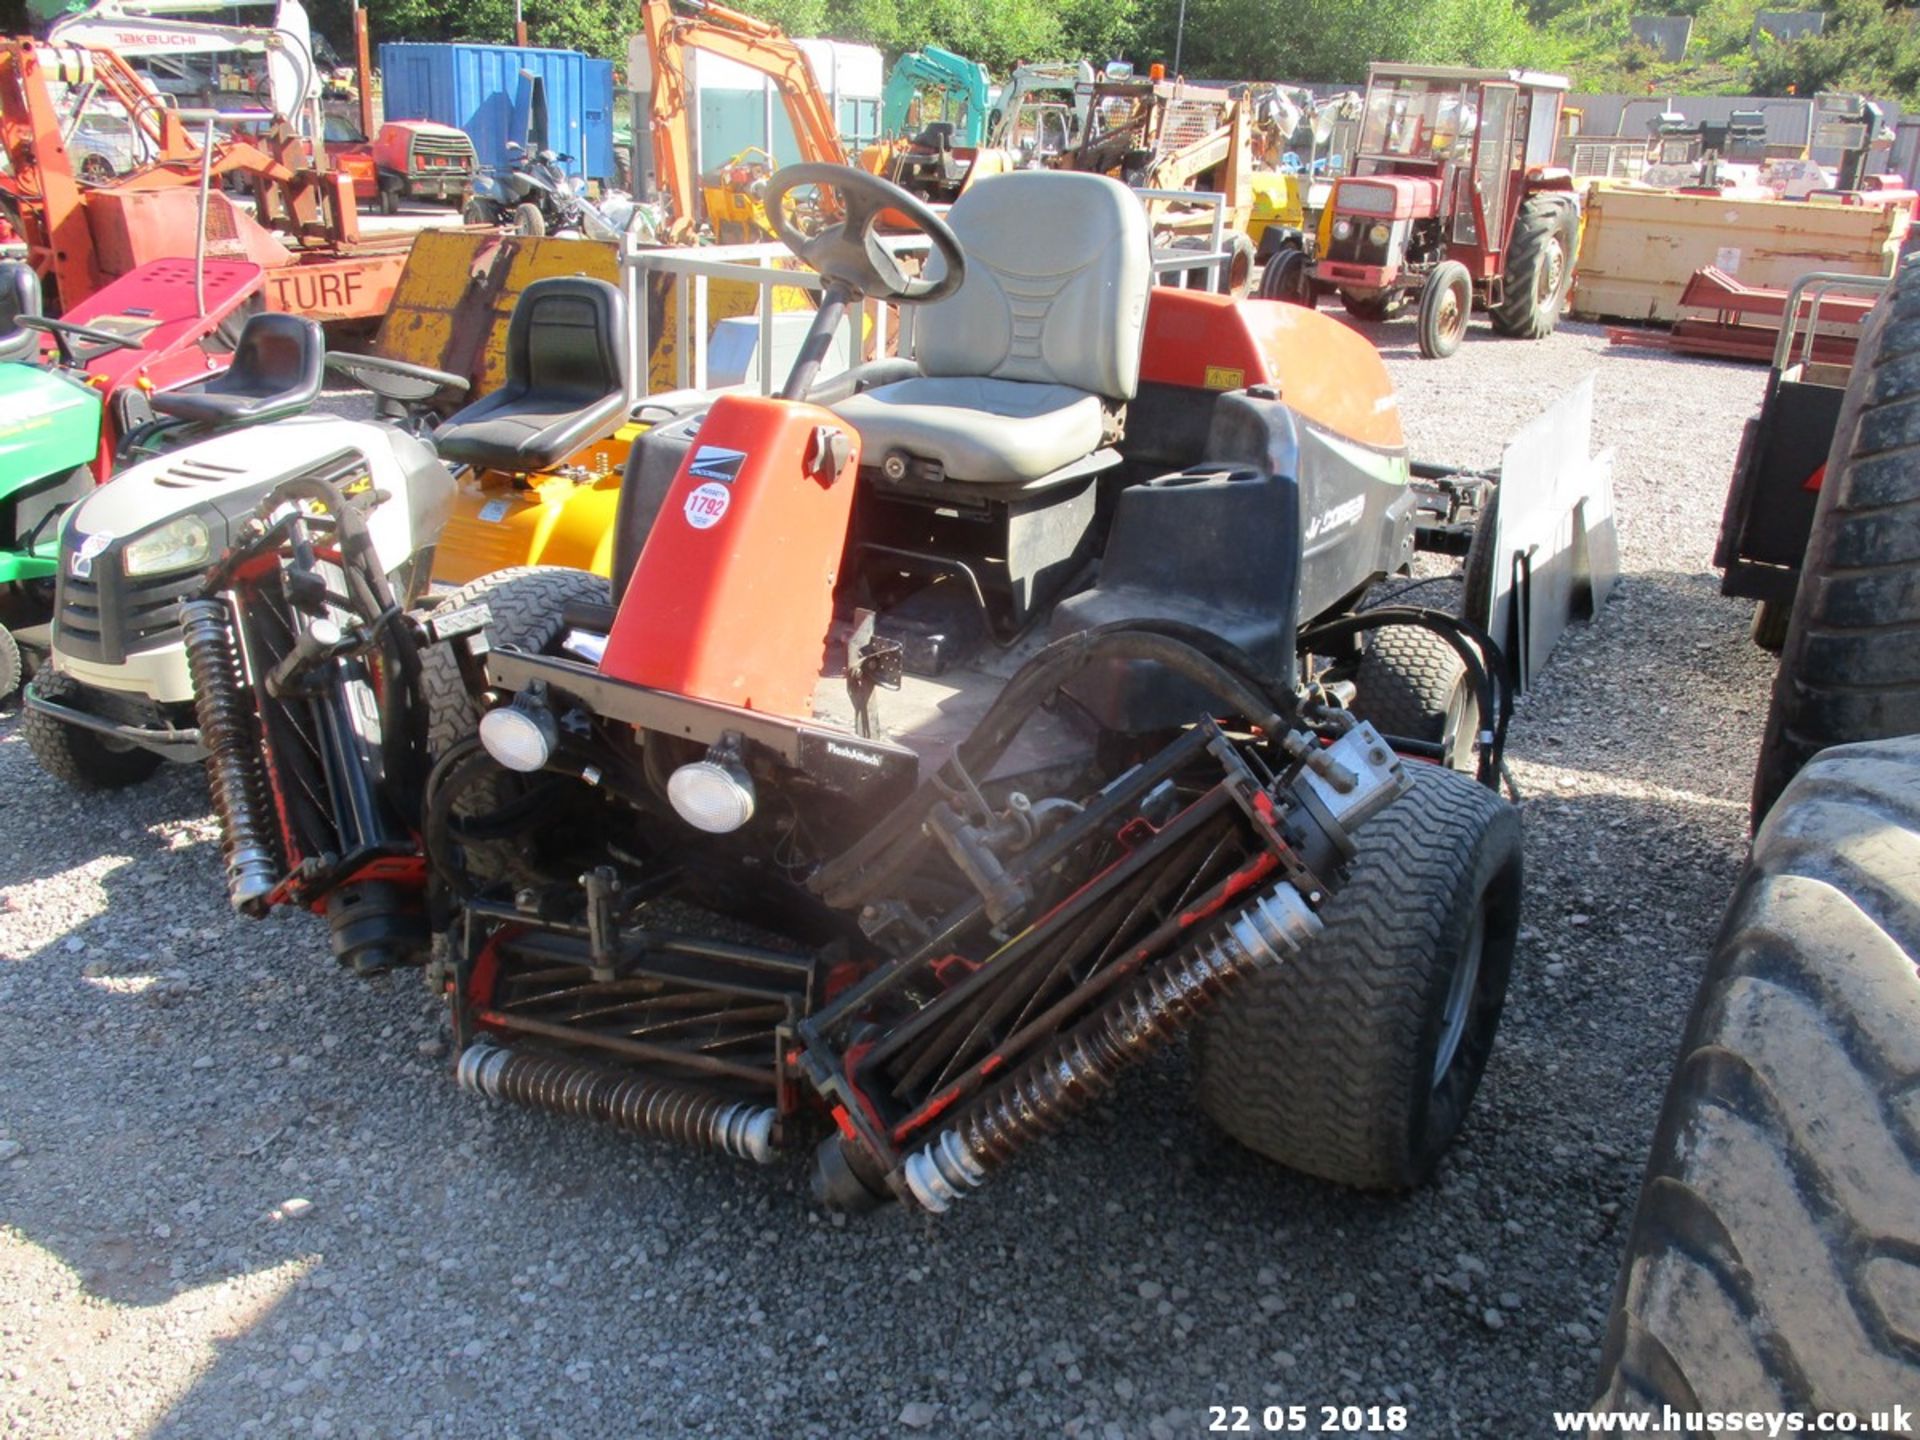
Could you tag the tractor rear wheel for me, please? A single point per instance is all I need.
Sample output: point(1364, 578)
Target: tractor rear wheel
point(84, 759)
point(1446, 300)
point(1356, 1061)
point(1540, 256)
point(528, 605)
point(1850, 662)
point(1771, 1260)
point(1288, 277)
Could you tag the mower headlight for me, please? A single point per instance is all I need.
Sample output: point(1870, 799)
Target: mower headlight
point(1378, 234)
point(712, 795)
point(1342, 229)
point(180, 544)
point(520, 736)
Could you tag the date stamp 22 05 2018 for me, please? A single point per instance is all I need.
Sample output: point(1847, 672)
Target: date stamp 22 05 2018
point(1306, 1419)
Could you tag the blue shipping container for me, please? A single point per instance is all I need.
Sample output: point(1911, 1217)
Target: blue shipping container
point(475, 87)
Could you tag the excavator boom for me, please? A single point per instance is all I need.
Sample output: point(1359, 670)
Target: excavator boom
point(763, 48)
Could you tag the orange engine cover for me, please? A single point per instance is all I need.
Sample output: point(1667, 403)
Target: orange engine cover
point(733, 595)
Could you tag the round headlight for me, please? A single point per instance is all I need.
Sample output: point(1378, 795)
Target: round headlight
point(520, 737)
point(1378, 234)
point(180, 544)
point(711, 795)
point(1342, 229)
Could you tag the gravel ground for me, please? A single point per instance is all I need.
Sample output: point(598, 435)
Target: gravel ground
point(240, 1196)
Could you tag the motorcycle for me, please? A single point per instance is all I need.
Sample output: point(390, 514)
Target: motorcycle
point(536, 196)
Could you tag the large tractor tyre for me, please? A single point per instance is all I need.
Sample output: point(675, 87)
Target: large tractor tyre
point(85, 759)
point(1850, 665)
point(1446, 300)
point(1771, 1263)
point(1413, 686)
point(1357, 1060)
point(1288, 277)
point(1540, 258)
point(1375, 306)
point(527, 220)
point(528, 605)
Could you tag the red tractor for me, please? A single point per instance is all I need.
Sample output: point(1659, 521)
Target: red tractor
point(1455, 199)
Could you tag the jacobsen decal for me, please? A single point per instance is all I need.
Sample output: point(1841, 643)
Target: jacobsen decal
point(1341, 515)
point(710, 462)
point(707, 505)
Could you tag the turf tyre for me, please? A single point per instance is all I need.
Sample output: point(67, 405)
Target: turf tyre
point(1327, 1064)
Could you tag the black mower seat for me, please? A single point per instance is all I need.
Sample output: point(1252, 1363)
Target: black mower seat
point(566, 381)
point(19, 295)
point(276, 371)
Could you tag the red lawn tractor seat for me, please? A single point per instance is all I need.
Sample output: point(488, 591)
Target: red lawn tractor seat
point(1020, 364)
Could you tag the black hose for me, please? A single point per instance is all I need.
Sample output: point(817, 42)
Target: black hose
point(894, 845)
point(1478, 652)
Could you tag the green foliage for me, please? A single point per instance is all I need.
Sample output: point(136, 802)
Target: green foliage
point(1867, 45)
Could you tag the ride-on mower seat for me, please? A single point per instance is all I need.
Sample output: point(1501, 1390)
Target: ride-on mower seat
point(19, 295)
point(566, 381)
point(276, 372)
point(1019, 364)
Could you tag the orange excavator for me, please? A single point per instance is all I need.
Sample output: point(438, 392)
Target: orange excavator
point(80, 233)
point(730, 195)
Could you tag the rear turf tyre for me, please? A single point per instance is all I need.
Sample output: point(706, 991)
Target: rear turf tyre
point(1771, 1263)
point(1413, 686)
point(1357, 1060)
point(1539, 272)
point(528, 603)
point(1850, 664)
point(1446, 300)
point(84, 759)
point(1373, 308)
point(1288, 277)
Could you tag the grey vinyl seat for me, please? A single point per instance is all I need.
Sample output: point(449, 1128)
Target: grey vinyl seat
point(1019, 366)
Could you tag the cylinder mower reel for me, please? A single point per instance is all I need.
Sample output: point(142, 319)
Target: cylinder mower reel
point(1002, 766)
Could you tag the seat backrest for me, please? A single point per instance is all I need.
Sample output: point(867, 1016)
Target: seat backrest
point(568, 339)
point(276, 355)
point(1059, 265)
point(19, 295)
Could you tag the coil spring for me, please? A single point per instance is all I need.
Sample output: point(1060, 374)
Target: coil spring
point(634, 1103)
point(1080, 1066)
point(235, 772)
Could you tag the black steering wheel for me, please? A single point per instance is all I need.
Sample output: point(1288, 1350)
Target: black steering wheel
point(65, 334)
point(396, 380)
point(850, 253)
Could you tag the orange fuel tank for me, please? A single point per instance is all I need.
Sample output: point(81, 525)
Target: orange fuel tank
point(733, 594)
